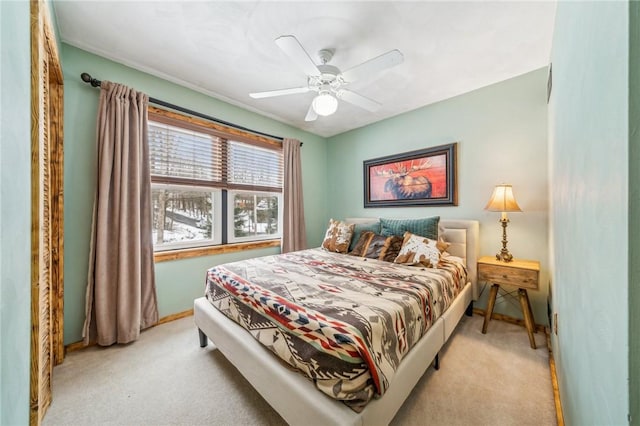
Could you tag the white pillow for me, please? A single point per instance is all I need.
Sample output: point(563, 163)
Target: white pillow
point(417, 250)
point(338, 236)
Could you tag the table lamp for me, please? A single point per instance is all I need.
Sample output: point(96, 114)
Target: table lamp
point(502, 200)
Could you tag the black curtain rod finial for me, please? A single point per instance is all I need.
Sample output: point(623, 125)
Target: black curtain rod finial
point(87, 79)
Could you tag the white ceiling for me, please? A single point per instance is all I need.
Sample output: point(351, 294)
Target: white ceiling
point(227, 49)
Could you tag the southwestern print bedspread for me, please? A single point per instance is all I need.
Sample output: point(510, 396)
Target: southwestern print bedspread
point(346, 322)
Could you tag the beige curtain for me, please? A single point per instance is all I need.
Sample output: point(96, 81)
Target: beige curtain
point(121, 294)
point(294, 235)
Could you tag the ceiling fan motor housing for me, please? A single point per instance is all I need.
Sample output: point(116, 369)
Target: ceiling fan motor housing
point(329, 79)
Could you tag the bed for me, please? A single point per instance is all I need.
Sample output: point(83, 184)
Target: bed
point(303, 403)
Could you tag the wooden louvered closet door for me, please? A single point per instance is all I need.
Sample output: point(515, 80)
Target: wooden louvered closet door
point(46, 210)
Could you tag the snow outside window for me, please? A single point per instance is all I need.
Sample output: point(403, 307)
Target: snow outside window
point(185, 216)
point(254, 216)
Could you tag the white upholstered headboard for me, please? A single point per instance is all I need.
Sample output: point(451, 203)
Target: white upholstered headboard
point(463, 235)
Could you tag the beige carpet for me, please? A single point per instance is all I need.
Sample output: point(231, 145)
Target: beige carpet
point(165, 378)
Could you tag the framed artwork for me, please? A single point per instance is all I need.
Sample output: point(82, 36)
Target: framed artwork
point(426, 177)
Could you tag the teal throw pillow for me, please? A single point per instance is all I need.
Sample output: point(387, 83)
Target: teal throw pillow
point(426, 227)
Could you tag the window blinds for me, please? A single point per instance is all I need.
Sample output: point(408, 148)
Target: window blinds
point(254, 166)
point(196, 155)
point(183, 154)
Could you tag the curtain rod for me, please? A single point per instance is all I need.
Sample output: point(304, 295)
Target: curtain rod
point(96, 83)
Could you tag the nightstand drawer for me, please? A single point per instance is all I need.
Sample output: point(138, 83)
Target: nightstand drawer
point(508, 275)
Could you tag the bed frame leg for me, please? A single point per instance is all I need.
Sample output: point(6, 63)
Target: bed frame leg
point(436, 362)
point(204, 341)
point(469, 311)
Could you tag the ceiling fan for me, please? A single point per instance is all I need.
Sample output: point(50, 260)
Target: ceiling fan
point(327, 80)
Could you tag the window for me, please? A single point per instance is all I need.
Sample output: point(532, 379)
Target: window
point(211, 185)
point(185, 216)
point(254, 215)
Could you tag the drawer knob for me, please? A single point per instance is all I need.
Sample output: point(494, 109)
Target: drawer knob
point(504, 276)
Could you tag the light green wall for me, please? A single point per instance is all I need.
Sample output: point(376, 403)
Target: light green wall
point(178, 282)
point(634, 211)
point(15, 205)
point(589, 139)
point(501, 130)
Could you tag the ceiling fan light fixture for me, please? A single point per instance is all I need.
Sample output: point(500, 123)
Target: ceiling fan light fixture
point(325, 104)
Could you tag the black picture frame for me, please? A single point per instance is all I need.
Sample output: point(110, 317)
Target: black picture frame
point(425, 177)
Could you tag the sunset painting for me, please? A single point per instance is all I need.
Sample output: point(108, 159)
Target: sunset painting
point(420, 177)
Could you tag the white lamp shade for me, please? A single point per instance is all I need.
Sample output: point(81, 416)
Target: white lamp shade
point(502, 200)
point(325, 104)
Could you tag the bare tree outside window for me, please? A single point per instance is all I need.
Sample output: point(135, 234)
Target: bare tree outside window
point(255, 214)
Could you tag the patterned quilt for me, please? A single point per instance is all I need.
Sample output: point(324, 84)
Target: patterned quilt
point(346, 322)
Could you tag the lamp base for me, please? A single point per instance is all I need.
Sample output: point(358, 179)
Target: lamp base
point(504, 256)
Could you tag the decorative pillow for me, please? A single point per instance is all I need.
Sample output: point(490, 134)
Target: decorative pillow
point(378, 246)
point(338, 236)
point(417, 250)
point(362, 244)
point(426, 227)
point(442, 245)
point(393, 245)
point(375, 246)
point(362, 227)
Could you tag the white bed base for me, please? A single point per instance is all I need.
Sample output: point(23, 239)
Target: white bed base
point(295, 397)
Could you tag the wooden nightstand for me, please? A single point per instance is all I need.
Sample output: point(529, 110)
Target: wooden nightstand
point(523, 274)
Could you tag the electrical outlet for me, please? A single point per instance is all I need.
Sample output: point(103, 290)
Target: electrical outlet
point(555, 323)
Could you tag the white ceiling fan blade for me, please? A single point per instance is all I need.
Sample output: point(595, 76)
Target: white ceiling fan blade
point(358, 100)
point(280, 92)
point(373, 66)
point(292, 47)
point(311, 114)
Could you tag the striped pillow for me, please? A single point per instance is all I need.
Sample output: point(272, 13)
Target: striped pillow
point(425, 227)
point(374, 246)
point(360, 228)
